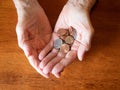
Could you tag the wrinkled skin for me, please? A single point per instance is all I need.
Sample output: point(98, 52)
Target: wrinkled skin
point(78, 18)
point(33, 32)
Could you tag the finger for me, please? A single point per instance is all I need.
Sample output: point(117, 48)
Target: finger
point(81, 51)
point(45, 51)
point(35, 63)
point(32, 56)
point(50, 56)
point(47, 69)
point(57, 75)
point(84, 33)
point(70, 57)
point(48, 47)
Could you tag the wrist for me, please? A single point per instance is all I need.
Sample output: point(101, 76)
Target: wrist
point(25, 4)
point(83, 4)
point(26, 8)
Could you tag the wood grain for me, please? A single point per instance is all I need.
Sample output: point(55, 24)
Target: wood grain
point(100, 69)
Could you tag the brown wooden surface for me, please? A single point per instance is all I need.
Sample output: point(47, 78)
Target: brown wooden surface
point(100, 69)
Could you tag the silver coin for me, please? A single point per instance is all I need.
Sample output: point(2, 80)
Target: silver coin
point(75, 34)
point(58, 43)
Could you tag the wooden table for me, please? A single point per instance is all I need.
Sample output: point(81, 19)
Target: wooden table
point(100, 69)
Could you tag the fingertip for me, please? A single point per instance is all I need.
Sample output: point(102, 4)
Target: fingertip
point(47, 76)
point(53, 71)
point(57, 75)
point(80, 58)
point(41, 66)
point(57, 69)
point(46, 50)
point(40, 56)
point(45, 71)
point(81, 51)
point(41, 73)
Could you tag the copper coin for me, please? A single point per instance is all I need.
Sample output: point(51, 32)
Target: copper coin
point(62, 32)
point(63, 37)
point(73, 32)
point(57, 43)
point(65, 48)
point(69, 40)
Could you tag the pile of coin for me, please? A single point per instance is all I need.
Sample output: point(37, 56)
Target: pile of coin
point(66, 39)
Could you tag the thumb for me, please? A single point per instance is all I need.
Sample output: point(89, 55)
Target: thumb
point(81, 52)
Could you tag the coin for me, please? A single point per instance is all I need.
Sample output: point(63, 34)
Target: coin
point(73, 32)
point(69, 40)
point(63, 37)
point(58, 43)
point(62, 32)
point(65, 48)
point(66, 39)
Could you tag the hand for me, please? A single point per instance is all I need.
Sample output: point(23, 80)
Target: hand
point(78, 18)
point(33, 31)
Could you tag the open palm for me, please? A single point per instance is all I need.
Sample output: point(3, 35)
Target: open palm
point(33, 32)
point(56, 61)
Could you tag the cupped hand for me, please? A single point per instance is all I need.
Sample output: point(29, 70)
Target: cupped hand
point(33, 32)
point(53, 60)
